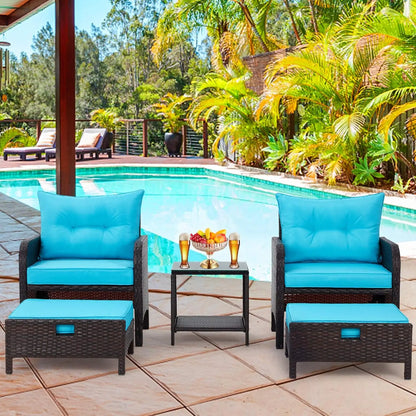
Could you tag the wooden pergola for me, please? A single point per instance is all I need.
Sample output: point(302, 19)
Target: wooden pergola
point(11, 13)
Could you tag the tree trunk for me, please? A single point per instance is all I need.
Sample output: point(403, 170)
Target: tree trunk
point(313, 17)
point(292, 19)
point(251, 22)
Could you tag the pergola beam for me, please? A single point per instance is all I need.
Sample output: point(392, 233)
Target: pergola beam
point(65, 97)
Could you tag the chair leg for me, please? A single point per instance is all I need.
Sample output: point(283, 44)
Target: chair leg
point(131, 348)
point(138, 320)
point(146, 320)
point(273, 323)
point(5, 156)
point(279, 329)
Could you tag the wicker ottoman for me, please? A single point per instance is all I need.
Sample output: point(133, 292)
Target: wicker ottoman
point(347, 332)
point(70, 328)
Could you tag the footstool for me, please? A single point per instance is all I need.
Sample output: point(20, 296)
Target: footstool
point(70, 328)
point(347, 332)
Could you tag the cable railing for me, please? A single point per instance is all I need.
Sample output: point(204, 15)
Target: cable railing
point(138, 137)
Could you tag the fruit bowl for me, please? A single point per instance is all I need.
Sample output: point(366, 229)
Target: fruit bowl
point(217, 242)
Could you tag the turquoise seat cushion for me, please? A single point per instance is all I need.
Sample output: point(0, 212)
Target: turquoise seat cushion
point(344, 312)
point(346, 229)
point(81, 272)
point(337, 275)
point(93, 227)
point(74, 309)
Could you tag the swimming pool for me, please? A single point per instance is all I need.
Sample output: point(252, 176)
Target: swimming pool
point(187, 199)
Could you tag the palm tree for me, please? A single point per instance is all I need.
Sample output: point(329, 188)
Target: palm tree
point(330, 79)
point(227, 97)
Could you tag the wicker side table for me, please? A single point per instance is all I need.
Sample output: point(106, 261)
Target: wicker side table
point(348, 333)
point(210, 323)
point(47, 334)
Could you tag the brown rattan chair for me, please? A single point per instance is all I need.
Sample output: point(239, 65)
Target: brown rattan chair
point(327, 288)
point(57, 264)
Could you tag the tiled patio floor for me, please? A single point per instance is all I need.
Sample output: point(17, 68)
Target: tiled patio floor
point(204, 374)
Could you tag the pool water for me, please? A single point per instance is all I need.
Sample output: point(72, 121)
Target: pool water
point(186, 203)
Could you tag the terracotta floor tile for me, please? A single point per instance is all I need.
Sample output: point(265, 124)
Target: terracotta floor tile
point(408, 268)
point(206, 376)
point(133, 394)
point(180, 412)
point(349, 391)
point(156, 347)
point(215, 286)
point(197, 305)
point(156, 319)
point(408, 293)
point(9, 291)
point(57, 371)
point(31, 403)
point(260, 290)
point(161, 281)
point(9, 268)
point(6, 308)
point(2, 342)
point(264, 313)
point(393, 372)
point(253, 303)
point(263, 402)
point(259, 330)
point(272, 363)
point(21, 380)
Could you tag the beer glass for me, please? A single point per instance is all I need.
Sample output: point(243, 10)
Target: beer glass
point(184, 244)
point(234, 244)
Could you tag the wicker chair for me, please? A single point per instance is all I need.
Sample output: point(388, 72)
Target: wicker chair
point(329, 251)
point(89, 248)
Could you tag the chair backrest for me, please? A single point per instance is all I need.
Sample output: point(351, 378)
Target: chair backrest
point(47, 138)
point(91, 133)
point(107, 140)
point(346, 229)
point(92, 227)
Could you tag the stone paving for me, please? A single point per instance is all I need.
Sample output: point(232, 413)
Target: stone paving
point(204, 373)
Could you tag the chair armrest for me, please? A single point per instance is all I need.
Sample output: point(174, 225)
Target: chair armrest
point(140, 272)
point(278, 272)
point(390, 259)
point(28, 255)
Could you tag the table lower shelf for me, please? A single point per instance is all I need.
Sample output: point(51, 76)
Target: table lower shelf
point(210, 323)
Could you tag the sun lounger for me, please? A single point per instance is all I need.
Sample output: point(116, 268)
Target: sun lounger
point(93, 142)
point(46, 141)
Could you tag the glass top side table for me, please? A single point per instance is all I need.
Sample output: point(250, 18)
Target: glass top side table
point(210, 323)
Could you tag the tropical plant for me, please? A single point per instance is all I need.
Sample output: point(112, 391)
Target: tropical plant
point(330, 78)
point(170, 108)
point(226, 97)
point(364, 172)
point(277, 150)
point(106, 118)
point(15, 137)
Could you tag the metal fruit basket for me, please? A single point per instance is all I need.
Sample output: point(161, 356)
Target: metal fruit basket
point(209, 249)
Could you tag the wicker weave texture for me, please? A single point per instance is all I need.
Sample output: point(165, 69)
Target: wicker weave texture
point(378, 342)
point(282, 295)
point(92, 338)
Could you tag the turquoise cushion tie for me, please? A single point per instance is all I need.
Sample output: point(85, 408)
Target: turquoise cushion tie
point(344, 229)
point(94, 227)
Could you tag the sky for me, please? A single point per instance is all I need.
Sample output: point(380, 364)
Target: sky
point(87, 12)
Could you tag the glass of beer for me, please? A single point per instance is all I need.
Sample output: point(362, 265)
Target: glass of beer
point(184, 244)
point(234, 244)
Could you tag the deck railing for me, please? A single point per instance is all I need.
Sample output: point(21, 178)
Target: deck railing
point(140, 137)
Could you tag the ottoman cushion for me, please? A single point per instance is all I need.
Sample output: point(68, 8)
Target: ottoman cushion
point(74, 309)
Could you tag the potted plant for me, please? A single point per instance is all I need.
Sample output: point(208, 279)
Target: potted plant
point(170, 108)
point(107, 119)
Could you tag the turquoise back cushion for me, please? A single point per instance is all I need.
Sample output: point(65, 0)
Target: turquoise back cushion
point(346, 229)
point(92, 227)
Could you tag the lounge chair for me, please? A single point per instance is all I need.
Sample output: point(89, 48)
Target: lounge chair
point(89, 248)
point(93, 142)
point(46, 141)
point(330, 251)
